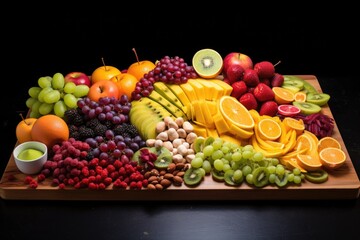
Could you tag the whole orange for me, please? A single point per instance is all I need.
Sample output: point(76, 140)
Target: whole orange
point(125, 82)
point(138, 69)
point(103, 88)
point(23, 129)
point(50, 130)
point(104, 73)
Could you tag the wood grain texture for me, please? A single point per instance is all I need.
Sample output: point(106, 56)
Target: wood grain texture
point(343, 183)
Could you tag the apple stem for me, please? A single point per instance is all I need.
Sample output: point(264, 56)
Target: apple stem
point(22, 117)
point(102, 59)
point(137, 58)
point(277, 63)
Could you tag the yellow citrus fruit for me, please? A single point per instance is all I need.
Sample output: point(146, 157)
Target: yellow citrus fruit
point(300, 96)
point(296, 124)
point(332, 157)
point(326, 142)
point(269, 129)
point(283, 95)
point(50, 129)
point(235, 113)
point(308, 162)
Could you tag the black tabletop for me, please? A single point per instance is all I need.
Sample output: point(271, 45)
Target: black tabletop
point(306, 45)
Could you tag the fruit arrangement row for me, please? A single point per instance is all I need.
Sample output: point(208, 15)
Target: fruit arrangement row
point(153, 125)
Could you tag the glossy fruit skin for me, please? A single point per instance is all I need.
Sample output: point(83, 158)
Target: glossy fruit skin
point(23, 129)
point(238, 58)
point(103, 88)
point(126, 83)
point(104, 73)
point(138, 69)
point(78, 78)
point(50, 130)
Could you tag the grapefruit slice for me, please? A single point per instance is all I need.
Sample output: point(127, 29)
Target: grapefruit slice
point(288, 110)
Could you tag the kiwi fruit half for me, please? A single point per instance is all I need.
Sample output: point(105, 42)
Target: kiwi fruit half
point(164, 157)
point(193, 176)
point(261, 176)
point(318, 98)
point(231, 180)
point(207, 63)
point(307, 107)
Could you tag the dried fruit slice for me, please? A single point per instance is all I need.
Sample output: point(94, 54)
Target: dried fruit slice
point(288, 110)
point(332, 157)
point(283, 95)
point(236, 113)
point(326, 142)
point(207, 63)
point(269, 129)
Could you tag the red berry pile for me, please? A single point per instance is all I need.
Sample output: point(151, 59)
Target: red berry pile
point(253, 87)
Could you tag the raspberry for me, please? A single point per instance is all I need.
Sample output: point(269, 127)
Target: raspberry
point(139, 184)
point(33, 184)
point(101, 186)
point(28, 179)
point(41, 177)
point(107, 181)
point(93, 186)
point(133, 185)
point(61, 186)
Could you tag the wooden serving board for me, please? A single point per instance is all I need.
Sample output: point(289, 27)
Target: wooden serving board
point(343, 183)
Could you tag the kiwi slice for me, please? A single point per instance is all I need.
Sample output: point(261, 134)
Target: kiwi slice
point(293, 83)
point(208, 140)
point(198, 144)
point(261, 176)
point(230, 180)
point(318, 98)
point(164, 157)
point(193, 176)
point(281, 180)
point(317, 176)
point(136, 155)
point(307, 107)
point(207, 63)
point(217, 175)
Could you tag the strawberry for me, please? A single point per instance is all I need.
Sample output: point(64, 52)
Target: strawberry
point(249, 101)
point(266, 81)
point(251, 78)
point(265, 69)
point(263, 92)
point(239, 88)
point(234, 73)
point(277, 80)
point(268, 108)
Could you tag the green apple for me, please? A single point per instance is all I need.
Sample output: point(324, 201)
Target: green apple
point(30, 154)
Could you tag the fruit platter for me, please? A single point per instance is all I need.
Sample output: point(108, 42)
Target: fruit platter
point(220, 128)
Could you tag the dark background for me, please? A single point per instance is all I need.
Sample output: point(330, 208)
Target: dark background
point(39, 40)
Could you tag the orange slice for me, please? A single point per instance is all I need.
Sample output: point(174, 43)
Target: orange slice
point(235, 113)
point(308, 162)
point(283, 95)
point(326, 142)
point(304, 141)
point(300, 96)
point(269, 129)
point(296, 124)
point(332, 157)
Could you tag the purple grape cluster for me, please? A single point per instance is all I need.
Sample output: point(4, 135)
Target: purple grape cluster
point(171, 70)
point(106, 109)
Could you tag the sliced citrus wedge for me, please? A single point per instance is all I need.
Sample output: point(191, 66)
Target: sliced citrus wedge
point(288, 110)
point(326, 142)
point(332, 157)
point(296, 124)
point(236, 113)
point(308, 162)
point(283, 95)
point(269, 129)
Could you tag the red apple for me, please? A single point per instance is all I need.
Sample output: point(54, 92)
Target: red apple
point(236, 58)
point(79, 78)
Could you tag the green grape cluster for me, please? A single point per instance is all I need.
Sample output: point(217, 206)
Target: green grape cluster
point(233, 164)
point(53, 95)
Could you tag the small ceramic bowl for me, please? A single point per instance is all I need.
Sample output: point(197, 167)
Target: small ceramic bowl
point(32, 165)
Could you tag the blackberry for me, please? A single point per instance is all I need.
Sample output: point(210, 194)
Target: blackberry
point(75, 135)
point(92, 123)
point(108, 124)
point(74, 116)
point(85, 132)
point(126, 130)
point(100, 130)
